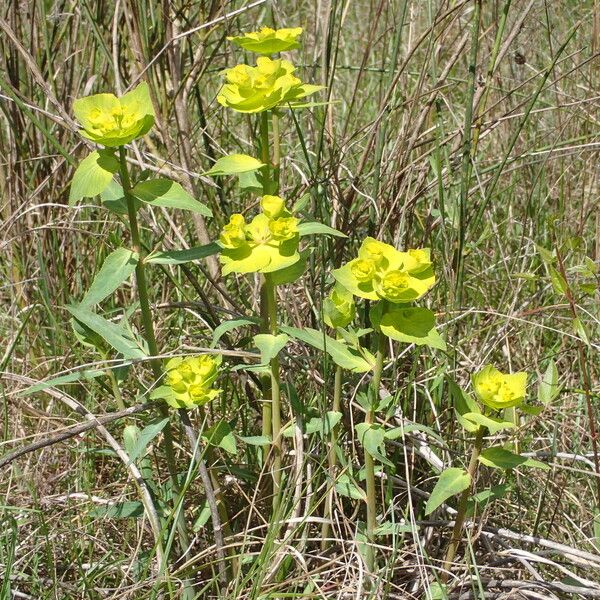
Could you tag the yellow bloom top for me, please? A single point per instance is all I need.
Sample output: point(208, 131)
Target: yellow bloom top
point(499, 390)
point(269, 242)
point(191, 380)
point(269, 84)
point(113, 121)
point(380, 272)
point(269, 41)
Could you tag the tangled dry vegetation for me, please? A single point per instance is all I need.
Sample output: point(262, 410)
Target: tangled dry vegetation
point(466, 126)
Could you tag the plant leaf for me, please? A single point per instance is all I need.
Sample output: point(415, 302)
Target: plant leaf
point(120, 510)
point(483, 498)
point(412, 325)
point(340, 353)
point(93, 175)
point(87, 374)
point(293, 272)
point(270, 345)
point(116, 269)
point(493, 424)
point(146, 436)
point(114, 335)
point(500, 458)
point(114, 199)
point(548, 388)
point(179, 257)
point(452, 481)
point(345, 486)
point(372, 436)
point(463, 403)
point(233, 164)
point(167, 193)
point(221, 435)
point(256, 440)
point(228, 326)
point(323, 425)
point(315, 228)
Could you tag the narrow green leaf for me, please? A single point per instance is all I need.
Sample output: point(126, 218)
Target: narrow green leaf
point(345, 486)
point(233, 164)
point(146, 436)
point(482, 499)
point(596, 540)
point(340, 353)
point(558, 282)
point(88, 374)
point(121, 510)
point(579, 329)
point(169, 194)
point(114, 335)
point(500, 458)
point(93, 175)
point(548, 388)
point(314, 228)
point(256, 440)
point(179, 257)
point(203, 517)
point(493, 424)
point(452, 481)
point(228, 326)
point(116, 269)
point(270, 345)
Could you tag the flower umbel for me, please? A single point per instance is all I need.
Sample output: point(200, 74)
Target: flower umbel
point(269, 242)
point(269, 41)
point(269, 84)
point(113, 121)
point(380, 272)
point(191, 380)
point(499, 390)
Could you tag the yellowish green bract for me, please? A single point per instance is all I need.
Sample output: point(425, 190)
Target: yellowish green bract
point(268, 243)
point(191, 380)
point(339, 309)
point(380, 272)
point(113, 121)
point(499, 390)
point(268, 41)
point(269, 84)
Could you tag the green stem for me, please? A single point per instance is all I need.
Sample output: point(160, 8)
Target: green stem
point(276, 152)
point(142, 286)
point(332, 458)
point(264, 150)
point(462, 507)
point(369, 462)
point(271, 299)
point(265, 379)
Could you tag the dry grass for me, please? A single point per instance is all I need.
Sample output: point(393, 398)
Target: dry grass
point(396, 154)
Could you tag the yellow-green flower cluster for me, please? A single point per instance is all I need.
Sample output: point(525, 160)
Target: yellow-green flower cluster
point(267, 243)
point(269, 84)
point(191, 380)
point(339, 309)
point(499, 390)
point(269, 41)
point(380, 272)
point(113, 121)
